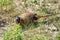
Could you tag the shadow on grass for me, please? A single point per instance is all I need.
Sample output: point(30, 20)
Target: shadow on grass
point(30, 25)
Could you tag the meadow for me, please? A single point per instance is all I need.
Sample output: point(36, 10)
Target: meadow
point(45, 28)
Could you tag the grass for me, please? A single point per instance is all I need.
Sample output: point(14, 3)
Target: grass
point(58, 36)
point(16, 31)
point(13, 34)
point(39, 37)
point(6, 2)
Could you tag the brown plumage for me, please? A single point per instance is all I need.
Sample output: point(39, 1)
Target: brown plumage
point(26, 18)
